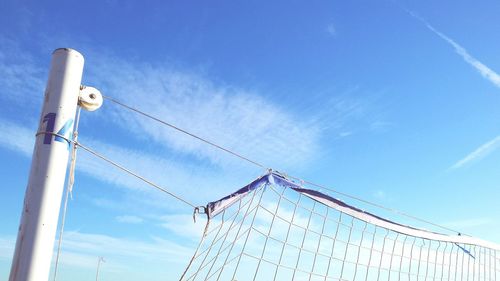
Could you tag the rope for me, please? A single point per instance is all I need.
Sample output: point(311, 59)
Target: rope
point(69, 188)
point(98, 155)
point(263, 166)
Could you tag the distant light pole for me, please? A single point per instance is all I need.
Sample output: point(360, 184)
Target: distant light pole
point(99, 260)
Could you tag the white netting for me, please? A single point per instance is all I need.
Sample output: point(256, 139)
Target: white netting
point(273, 232)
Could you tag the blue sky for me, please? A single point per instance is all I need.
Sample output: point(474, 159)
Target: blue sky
point(392, 101)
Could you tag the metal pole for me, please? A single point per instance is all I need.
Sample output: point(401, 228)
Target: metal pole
point(99, 260)
point(42, 201)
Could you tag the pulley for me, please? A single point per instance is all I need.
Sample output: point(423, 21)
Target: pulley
point(90, 98)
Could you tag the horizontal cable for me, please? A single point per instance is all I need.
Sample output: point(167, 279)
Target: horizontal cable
point(263, 166)
point(133, 174)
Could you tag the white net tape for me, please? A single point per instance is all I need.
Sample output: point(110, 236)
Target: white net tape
point(273, 230)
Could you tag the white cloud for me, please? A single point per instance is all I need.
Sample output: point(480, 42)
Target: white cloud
point(7, 244)
point(479, 153)
point(72, 259)
point(380, 194)
point(124, 255)
point(345, 112)
point(344, 134)
point(380, 126)
point(129, 219)
point(484, 70)
point(331, 30)
point(184, 226)
point(20, 75)
point(105, 245)
point(16, 137)
point(235, 118)
point(106, 203)
point(169, 174)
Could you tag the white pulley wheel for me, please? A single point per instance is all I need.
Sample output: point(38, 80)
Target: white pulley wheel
point(90, 98)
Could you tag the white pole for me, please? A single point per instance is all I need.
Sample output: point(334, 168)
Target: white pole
point(42, 201)
point(99, 260)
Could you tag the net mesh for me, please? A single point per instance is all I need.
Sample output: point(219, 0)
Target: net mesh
point(273, 232)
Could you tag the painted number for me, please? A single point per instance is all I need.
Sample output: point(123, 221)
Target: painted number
point(62, 135)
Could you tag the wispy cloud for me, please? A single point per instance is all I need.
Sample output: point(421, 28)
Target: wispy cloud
point(380, 194)
point(345, 113)
point(110, 245)
point(123, 254)
point(183, 225)
point(379, 126)
point(484, 70)
point(236, 118)
point(129, 219)
point(170, 174)
point(331, 30)
point(158, 169)
point(16, 137)
point(345, 134)
point(479, 153)
point(20, 75)
point(7, 247)
point(240, 119)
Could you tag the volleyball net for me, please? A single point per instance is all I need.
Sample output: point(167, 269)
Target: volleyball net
point(275, 229)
